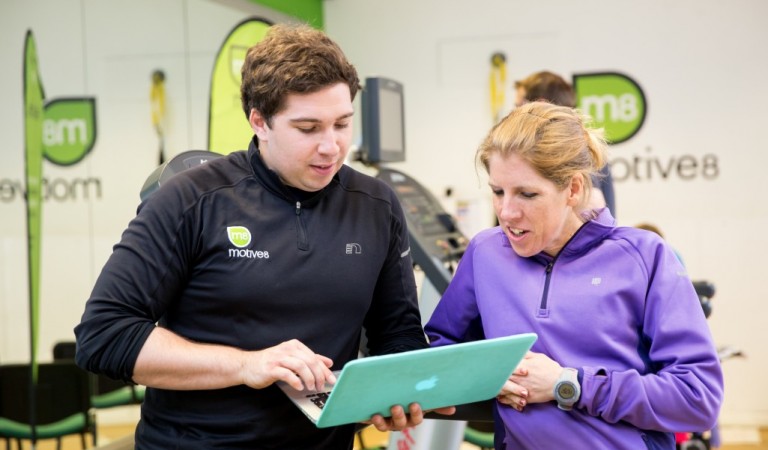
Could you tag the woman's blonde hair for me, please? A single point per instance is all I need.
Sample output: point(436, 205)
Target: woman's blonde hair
point(556, 141)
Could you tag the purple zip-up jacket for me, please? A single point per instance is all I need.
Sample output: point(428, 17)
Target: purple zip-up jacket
point(616, 304)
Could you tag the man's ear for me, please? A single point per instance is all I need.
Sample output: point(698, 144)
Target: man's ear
point(258, 124)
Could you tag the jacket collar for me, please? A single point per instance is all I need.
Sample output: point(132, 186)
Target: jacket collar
point(591, 233)
point(271, 181)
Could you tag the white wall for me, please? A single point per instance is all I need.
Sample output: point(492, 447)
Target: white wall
point(702, 67)
point(105, 49)
point(700, 63)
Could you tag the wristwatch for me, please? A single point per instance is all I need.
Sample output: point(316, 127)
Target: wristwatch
point(567, 390)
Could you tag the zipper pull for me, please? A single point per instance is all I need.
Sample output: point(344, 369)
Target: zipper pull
point(298, 208)
point(549, 267)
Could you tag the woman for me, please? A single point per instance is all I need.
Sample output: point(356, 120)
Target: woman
point(624, 357)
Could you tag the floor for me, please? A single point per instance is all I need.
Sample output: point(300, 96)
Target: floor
point(734, 438)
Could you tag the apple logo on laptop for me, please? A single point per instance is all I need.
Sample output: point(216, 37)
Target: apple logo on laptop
point(429, 383)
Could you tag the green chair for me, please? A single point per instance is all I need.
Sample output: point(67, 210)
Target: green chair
point(62, 403)
point(106, 392)
point(109, 393)
point(483, 439)
point(480, 422)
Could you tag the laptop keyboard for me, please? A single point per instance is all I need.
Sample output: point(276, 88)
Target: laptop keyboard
point(319, 398)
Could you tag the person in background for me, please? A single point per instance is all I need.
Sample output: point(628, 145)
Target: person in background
point(653, 228)
point(550, 87)
point(236, 274)
point(624, 357)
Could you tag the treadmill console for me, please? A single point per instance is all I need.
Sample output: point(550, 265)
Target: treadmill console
point(436, 241)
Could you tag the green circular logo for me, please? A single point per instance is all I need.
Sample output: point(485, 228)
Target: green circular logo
point(69, 130)
point(614, 101)
point(239, 236)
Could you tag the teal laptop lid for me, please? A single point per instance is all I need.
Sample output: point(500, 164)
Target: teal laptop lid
point(434, 377)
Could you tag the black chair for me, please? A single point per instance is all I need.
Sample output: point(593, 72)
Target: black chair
point(106, 392)
point(62, 403)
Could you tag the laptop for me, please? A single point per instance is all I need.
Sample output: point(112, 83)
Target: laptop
point(433, 377)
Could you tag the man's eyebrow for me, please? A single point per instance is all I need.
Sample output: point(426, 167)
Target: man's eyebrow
point(316, 120)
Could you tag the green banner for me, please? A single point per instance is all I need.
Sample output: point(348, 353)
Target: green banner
point(614, 101)
point(309, 11)
point(69, 129)
point(33, 159)
point(228, 128)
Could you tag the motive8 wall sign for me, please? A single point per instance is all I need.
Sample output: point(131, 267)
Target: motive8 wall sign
point(617, 103)
point(648, 167)
point(68, 135)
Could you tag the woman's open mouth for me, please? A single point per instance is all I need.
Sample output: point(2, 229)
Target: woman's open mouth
point(516, 232)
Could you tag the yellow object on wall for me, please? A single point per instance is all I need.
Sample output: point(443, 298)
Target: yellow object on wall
point(497, 84)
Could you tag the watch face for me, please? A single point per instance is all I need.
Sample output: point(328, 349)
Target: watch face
point(566, 391)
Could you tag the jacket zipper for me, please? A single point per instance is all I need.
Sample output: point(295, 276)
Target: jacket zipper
point(543, 311)
point(301, 231)
point(545, 295)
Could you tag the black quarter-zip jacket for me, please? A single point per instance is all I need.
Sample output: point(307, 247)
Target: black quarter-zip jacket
point(224, 253)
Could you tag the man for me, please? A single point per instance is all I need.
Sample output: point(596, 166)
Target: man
point(257, 267)
point(554, 89)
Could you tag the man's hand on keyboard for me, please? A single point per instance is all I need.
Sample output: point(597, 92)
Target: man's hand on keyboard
point(292, 362)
